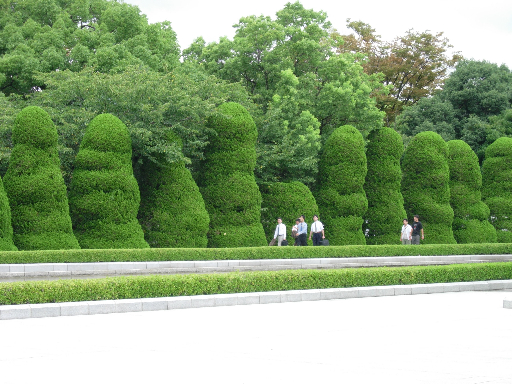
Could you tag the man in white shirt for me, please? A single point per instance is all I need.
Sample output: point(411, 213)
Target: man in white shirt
point(406, 235)
point(280, 232)
point(317, 230)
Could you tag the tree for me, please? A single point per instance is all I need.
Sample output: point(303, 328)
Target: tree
point(172, 211)
point(229, 189)
point(104, 195)
point(426, 186)
point(288, 201)
point(471, 216)
point(382, 186)
point(414, 65)
point(35, 187)
point(497, 186)
point(341, 197)
point(6, 233)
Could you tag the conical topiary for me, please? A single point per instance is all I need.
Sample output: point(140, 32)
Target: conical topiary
point(35, 186)
point(104, 195)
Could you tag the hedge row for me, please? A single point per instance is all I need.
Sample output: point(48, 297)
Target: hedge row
point(202, 284)
point(248, 253)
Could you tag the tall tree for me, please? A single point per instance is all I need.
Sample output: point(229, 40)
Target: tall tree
point(414, 65)
point(471, 216)
point(35, 187)
point(426, 186)
point(341, 197)
point(382, 186)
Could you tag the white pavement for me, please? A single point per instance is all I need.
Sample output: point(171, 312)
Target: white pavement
point(463, 337)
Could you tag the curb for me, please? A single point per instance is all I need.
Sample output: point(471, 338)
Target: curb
point(507, 303)
point(24, 311)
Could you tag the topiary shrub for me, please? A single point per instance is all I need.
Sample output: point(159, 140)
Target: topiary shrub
point(471, 216)
point(497, 186)
point(386, 212)
point(231, 195)
point(35, 186)
point(426, 186)
point(6, 241)
point(172, 211)
point(341, 197)
point(288, 201)
point(104, 195)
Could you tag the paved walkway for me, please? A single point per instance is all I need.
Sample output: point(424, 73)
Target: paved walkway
point(454, 338)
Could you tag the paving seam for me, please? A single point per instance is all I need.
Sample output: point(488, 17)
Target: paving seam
point(24, 311)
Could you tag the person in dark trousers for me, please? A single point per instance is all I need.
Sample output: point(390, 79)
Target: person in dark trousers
point(417, 229)
point(303, 232)
point(317, 231)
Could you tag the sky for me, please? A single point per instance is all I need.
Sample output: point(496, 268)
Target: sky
point(478, 30)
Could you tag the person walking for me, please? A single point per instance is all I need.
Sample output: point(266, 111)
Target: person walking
point(280, 232)
point(406, 235)
point(417, 228)
point(302, 231)
point(295, 230)
point(317, 231)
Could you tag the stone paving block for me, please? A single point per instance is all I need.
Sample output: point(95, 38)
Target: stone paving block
point(45, 310)
point(8, 312)
point(435, 288)
point(507, 303)
point(249, 263)
point(247, 298)
point(418, 289)
point(155, 304)
point(182, 302)
point(223, 263)
point(270, 297)
point(182, 264)
point(375, 291)
point(291, 296)
point(30, 268)
point(101, 307)
point(508, 284)
point(331, 294)
point(402, 290)
point(153, 265)
point(233, 263)
point(450, 287)
point(311, 295)
point(16, 268)
point(74, 309)
point(225, 299)
point(80, 266)
point(128, 305)
point(205, 264)
point(465, 286)
point(201, 301)
point(60, 267)
point(4, 268)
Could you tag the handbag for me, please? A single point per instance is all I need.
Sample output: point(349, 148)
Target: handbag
point(284, 242)
point(272, 242)
point(325, 242)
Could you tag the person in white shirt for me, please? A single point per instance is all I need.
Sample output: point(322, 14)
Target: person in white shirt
point(280, 232)
point(406, 235)
point(317, 230)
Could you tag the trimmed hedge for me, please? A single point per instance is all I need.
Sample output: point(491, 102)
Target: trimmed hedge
point(172, 211)
point(134, 287)
point(497, 186)
point(288, 201)
point(35, 186)
point(6, 233)
point(386, 212)
point(341, 197)
point(471, 216)
point(229, 189)
point(248, 253)
point(104, 196)
point(426, 186)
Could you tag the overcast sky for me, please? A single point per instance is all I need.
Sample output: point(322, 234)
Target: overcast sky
point(480, 30)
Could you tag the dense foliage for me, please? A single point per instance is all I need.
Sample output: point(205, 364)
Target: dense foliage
point(35, 187)
point(497, 186)
point(426, 186)
point(471, 216)
point(385, 211)
point(6, 241)
point(288, 201)
point(104, 196)
point(341, 197)
point(172, 211)
point(229, 189)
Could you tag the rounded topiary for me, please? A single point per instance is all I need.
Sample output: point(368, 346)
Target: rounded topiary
point(172, 211)
point(6, 241)
point(341, 197)
point(288, 201)
point(229, 189)
point(426, 186)
point(35, 186)
point(471, 215)
point(386, 212)
point(497, 186)
point(104, 195)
